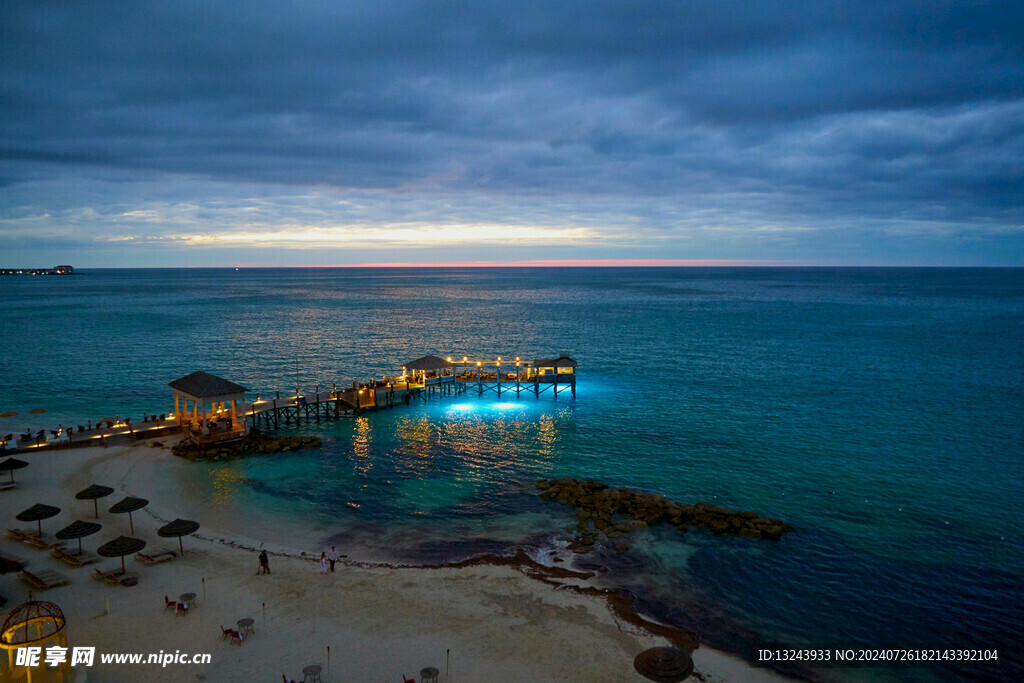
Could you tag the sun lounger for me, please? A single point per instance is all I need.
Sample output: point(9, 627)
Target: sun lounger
point(156, 558)
point(42, 543)
point(8, 485)
point(73, 558)
point(8, 559)
point(43, 579)
point(116, 577)
point(31, 538)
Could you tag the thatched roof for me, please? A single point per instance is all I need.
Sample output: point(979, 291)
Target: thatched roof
point(38, 512)
point(664, 664)
point(128, 504)
point(93, 492)
point(78, 529)
point(178, 528)
point(204, 385)
point(121, 546)
point(427, 363)
point(563, 361)
point(12, 464)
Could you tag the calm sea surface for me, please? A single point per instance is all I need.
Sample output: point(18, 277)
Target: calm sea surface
point(881, 411)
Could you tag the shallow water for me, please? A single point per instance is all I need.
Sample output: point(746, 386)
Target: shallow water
point(878, 410)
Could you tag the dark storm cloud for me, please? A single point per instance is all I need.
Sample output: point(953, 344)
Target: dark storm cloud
point(788, 110)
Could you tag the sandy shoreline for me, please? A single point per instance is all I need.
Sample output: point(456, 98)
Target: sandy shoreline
point(379, 622)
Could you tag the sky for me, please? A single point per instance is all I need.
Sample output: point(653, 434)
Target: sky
point(196, 134)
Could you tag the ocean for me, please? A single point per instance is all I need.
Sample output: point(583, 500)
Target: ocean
point(879, 411)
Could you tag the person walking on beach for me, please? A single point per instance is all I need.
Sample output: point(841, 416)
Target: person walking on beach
point(264, 563)
point(332, 557)
point(323, 563)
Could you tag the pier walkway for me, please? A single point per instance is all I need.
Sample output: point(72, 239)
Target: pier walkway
point(419, 379)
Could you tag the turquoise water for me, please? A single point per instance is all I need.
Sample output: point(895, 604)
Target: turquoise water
point(878, 410)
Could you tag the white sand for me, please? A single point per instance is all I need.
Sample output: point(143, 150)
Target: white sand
point(379, 623)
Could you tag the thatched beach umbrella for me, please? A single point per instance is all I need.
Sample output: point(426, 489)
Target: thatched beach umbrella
point(121, 546)
point(129, 504)
point(178, 528)
point(11, 464)
point(37, 513)
point(664, 664)
point(93, 493)
point(78, 529)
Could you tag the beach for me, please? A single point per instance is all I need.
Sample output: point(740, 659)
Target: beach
point(473, 622)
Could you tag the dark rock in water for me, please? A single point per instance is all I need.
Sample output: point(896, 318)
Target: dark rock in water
point(253, 444)
point(615, 512)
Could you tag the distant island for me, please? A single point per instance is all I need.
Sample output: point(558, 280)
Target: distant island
point(56, 270)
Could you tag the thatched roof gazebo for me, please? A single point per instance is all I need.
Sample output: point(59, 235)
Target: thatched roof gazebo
point(33, 624)
point(217, 405)
point(423, 365)
point(563, 362)
point(427, 363)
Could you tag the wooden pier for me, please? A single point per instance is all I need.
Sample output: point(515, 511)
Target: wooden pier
point(419, 379)
point(210, 410)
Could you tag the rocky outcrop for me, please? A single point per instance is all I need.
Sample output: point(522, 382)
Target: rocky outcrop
point(604, 511)
point(253, 444)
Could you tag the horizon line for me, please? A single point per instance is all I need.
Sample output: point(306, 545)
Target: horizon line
point(559, 263)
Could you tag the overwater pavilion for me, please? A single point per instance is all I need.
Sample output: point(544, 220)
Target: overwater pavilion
point(500, 376)
point(216, 408)
point(419, 370)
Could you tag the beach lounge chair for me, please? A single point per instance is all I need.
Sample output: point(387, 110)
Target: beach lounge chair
point(116, 577)
point(73, 558)
point(17, 535)
point(169, 604)
point(43, 579)
point(156, 558)
point(8, 485)
point(37, 542)
point(9, 560)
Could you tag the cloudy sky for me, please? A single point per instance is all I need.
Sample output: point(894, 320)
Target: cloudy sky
point(348, 132)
